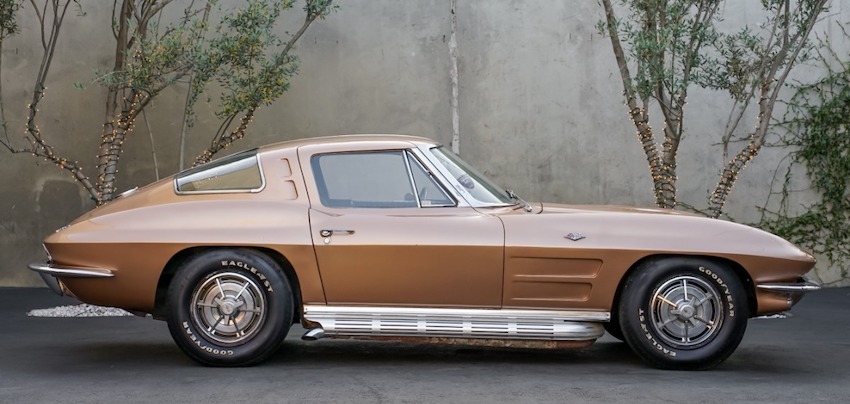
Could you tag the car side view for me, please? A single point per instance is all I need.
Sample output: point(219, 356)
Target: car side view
point(396, 238)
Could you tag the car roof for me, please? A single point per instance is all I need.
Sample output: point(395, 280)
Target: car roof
point(339, 139)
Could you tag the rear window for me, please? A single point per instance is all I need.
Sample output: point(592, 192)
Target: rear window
point(238, 172)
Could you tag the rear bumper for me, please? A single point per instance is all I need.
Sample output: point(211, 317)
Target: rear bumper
point(50, 274)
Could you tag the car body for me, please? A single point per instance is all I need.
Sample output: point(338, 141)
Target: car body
point(394, 237)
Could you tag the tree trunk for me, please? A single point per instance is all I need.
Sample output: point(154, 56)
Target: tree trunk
point(114, 149)
point(663, 175)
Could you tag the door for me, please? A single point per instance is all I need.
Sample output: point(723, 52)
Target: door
point(387, 233)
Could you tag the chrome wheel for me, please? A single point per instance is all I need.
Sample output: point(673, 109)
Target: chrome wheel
point(228, 308)
point(686, 311)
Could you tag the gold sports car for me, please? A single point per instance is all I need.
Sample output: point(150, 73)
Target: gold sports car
point(396, 238)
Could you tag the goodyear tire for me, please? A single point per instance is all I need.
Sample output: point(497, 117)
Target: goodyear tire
point(229, 307)
point(683, 312)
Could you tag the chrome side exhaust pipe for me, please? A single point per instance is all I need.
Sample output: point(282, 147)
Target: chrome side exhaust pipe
point(313, 334)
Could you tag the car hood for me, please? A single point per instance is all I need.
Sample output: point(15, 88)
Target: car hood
point(656, 231)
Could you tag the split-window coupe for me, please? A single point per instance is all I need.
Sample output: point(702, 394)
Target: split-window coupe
point(397, 238)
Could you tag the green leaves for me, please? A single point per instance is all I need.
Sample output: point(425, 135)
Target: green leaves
point(666, 38)
point(817, 123)
point(154, 61)
point(244, 59)
point(250, 63)
point(8, 24)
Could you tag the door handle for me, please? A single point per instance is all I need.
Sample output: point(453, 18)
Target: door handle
point(328, 232)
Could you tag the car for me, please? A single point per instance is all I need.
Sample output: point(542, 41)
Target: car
point(396, 238)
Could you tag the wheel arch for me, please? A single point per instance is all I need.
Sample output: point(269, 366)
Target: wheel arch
point(740, 271)
point(182, 256)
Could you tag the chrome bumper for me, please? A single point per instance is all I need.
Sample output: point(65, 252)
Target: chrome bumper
point(790, 293)
point(49, 274)
point(71, 272)
point(799, 287)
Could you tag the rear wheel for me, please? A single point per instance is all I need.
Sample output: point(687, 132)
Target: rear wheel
point(683, 312)
point(229, 307)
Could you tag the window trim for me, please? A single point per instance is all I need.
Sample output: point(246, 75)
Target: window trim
point(405, 155)
point(256, 157)
point(430, 173)
point(414, 152)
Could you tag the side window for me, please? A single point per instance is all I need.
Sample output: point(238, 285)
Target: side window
point(363, 180)
point(427, 189)
point(238, 172)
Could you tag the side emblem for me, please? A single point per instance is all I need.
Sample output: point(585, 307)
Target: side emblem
point(574, 236)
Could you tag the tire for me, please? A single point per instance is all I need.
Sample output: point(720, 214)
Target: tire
point(242, 328)
point(670, 331)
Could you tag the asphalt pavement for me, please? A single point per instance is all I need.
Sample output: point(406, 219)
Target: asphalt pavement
point(804, 359)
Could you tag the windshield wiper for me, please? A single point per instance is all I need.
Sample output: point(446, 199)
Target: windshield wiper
point(514, 197)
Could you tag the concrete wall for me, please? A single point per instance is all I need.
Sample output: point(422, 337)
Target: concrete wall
point(540, 107)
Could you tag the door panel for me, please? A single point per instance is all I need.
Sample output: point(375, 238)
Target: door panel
point(384, 235)
point(417, 256)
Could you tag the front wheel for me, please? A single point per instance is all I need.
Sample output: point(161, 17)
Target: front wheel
point(683, 312)
point(229, 307)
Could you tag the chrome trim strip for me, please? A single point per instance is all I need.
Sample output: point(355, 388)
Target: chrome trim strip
point(405, 156)
point(413, 154)
point(463, 323)
point(71, 272)
point(800, 287)
point(422, 154)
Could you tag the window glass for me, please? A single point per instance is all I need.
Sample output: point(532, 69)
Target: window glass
point(428, 190)
point(363, 180)
point(472, 182)
point(238, 172)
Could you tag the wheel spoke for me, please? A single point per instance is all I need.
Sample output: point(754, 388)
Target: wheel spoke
point(666, 301)
point(245, 286)
point(685, 287)
point(212, 327)
point(704, 321)
point(665, 323)
point(239, 332)
point(220, 289)
point(703, 300)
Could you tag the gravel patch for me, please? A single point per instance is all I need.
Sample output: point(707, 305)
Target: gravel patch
point(79, 310)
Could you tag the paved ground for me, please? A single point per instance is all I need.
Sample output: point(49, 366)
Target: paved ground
point(129, 359)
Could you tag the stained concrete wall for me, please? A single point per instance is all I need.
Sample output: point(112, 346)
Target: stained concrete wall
point(540, 107)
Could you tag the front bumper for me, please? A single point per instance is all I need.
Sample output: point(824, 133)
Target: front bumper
point(798, 287)
point(778, 297)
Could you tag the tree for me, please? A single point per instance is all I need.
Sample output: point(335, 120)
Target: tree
point(674, 45)
point(149, 58)
point(816, 125)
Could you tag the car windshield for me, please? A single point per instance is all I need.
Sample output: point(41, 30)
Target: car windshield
point(473, 184)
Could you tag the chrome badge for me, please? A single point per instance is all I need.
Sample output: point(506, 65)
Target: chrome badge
point(574, 236)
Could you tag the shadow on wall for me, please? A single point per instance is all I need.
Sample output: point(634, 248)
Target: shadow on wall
point(62, 195)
